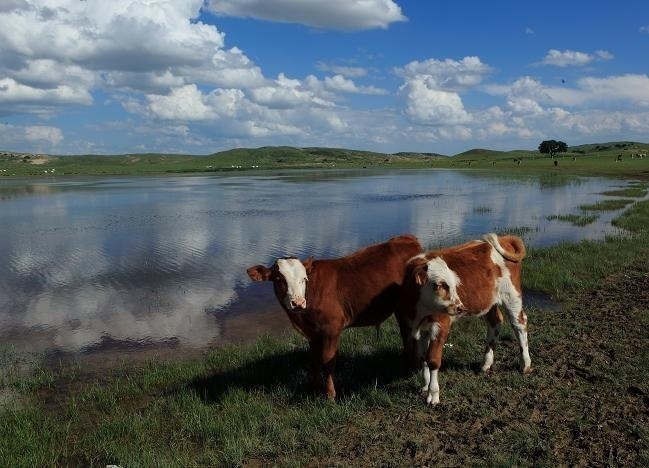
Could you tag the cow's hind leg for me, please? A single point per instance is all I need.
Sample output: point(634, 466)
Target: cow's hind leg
point(494, 321)
point(518, 319)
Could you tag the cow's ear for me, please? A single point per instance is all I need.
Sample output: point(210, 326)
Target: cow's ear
point(259, 273)
point(421, 274)
point(308, 263)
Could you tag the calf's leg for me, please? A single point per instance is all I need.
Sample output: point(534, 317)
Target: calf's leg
point(439, 334)
point(494, 321)
point(518, 320)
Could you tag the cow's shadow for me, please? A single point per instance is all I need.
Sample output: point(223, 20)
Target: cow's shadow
point(291, 370)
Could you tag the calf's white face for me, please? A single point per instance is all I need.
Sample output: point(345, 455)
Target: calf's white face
point(289, 277)
point(439, 287)
point(293, 292)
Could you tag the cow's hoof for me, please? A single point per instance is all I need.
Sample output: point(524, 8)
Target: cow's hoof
point(527, 370)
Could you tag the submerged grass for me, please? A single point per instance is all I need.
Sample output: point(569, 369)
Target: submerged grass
point(252, 405)
point(574, 219)
point(634, 192)
point(607, 205)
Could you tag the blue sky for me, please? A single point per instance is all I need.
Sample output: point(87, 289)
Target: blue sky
point(193, 76)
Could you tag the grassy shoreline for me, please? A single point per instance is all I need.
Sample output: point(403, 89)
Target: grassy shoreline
point(587, 402)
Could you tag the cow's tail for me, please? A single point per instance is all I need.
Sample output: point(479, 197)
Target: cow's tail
point(510, 247)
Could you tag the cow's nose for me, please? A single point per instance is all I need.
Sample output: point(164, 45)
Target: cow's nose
point(299, 303)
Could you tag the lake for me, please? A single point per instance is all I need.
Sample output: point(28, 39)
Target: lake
point(128, 264)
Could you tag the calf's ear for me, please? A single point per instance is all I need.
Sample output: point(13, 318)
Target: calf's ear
point(259, 273)
point(421, 274)
point(308, 263)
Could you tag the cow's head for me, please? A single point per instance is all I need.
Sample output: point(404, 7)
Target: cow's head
point(438, 285)
point(289, 277)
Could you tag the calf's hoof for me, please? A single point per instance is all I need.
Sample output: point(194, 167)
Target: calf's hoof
point(527, 370)
point(432, 399)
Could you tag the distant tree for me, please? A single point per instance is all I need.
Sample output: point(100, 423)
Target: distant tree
point(552, 147)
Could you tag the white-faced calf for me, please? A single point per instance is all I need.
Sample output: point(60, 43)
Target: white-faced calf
point(323, 297)
point(470, 280)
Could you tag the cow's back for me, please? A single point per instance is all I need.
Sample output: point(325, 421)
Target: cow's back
point(366, 284)
point(477, 273)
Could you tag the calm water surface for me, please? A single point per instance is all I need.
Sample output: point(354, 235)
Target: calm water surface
point(97, 264)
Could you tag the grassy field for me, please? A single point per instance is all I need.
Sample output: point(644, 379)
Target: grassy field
point(595, 159)
point(586, 403)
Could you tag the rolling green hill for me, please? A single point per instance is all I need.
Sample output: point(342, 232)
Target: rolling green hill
point(612, 158)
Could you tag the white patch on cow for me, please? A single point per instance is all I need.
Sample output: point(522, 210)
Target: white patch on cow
point(295, 276)
point(433, 389)
point(512, 302)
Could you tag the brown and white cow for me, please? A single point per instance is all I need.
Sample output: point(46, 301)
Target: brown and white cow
point(469, 280)
point(323, 297)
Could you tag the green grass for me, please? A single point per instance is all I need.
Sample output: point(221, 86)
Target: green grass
point(635, 192)
point(574, 219)
point(607, 205)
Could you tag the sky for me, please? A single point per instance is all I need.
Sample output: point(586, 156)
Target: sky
point(197, 77)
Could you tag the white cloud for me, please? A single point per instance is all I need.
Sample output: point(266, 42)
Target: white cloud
point(339, 83)
point(352, 72)
point(432, 87)
point(630, 88)
point(286, 93)
point(51, 135)
point(426, 104)
point(346, 15)
point(15, 96)
point(644, 29)
point(448, 74)
point(29, 137)
point(184, 103)
point(529, 30)
point(569, 58)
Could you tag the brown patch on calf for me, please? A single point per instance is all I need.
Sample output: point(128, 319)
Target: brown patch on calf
point(522, 318)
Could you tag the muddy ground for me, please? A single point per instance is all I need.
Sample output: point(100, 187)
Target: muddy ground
point(586, 403)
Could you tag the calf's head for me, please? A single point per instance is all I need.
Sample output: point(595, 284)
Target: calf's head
point(438, 285)
point(289, 277)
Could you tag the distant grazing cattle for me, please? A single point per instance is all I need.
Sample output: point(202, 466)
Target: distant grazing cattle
point(469, 280)
point(323, 297)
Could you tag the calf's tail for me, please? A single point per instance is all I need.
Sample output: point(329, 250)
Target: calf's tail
point(510, 247)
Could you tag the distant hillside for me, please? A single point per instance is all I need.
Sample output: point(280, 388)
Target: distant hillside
point(597, 158)
point(610, 146)
point(267, 157)
point(420, 155)
point(479, 153)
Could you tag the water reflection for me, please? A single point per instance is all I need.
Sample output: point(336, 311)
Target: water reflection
point(100, 263)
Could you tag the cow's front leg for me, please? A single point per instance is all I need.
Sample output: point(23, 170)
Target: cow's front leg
point(328, 360)
point(410, 348)
point(315, 348)
point(439, 333)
